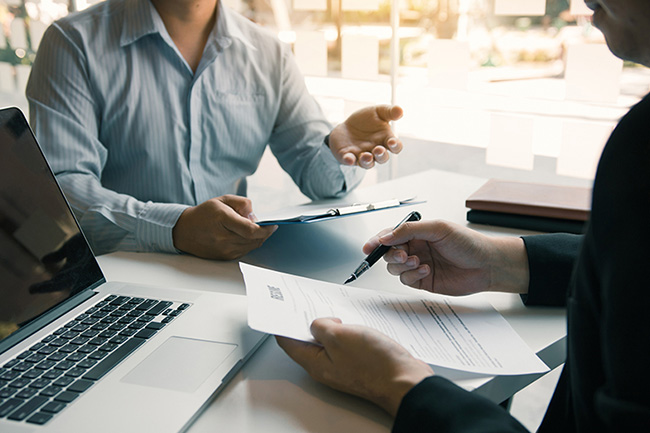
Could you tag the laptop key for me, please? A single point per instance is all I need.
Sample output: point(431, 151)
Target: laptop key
point(32, 374)
point(11, 363)
point(8, 406)
point(26, 393)
point(7, 392)
point(39, 383)
point(53, 374)
point(85, 364)
point(19, 383)
point(63, 381)
point(80, 386)
point(39, 418)
point(113, 359)
point(145, 333)
point(50, 391)
point(57, 356)
point(75, 372)
point(159, 308)
point(53, 407)
point(26, 409)
point(23, 366)
point(155, 325)
point(66, 397)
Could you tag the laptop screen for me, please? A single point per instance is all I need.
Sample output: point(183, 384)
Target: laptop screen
point(44, 258)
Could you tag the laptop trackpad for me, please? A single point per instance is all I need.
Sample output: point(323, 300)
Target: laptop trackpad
point(180, 364)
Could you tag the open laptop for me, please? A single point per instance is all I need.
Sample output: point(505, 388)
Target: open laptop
point(79, 354)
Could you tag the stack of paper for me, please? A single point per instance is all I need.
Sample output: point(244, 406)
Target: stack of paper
point(458, 333)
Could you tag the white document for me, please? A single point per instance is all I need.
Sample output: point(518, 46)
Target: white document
point(458, 333)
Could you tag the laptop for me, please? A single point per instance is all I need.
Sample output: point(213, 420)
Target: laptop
point(79, 354)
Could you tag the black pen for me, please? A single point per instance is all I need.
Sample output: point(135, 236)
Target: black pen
point(379, 252)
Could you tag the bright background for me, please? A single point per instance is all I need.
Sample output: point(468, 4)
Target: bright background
point(520, 89)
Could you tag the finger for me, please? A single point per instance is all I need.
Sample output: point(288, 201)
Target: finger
point(366, 160)
point(389, 113)
point(431, 231)
point(349, 159)
point(411, 278)
point(397, 254)
point(410, 264)
point(373, 242)
point(246, 229)
point(380, 154)
point(393, 144)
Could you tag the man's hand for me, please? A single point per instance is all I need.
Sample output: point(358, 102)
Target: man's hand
point(366, 136)
point(358, 360)
point(221, 228)
point(446, 258)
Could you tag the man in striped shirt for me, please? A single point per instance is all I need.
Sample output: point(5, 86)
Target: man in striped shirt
point(152, 113)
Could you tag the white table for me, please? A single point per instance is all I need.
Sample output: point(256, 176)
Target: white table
point(271, 393)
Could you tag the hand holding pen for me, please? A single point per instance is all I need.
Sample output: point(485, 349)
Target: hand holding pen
point(379, 251)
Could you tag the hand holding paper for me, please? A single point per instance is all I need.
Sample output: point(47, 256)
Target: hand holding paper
point(358, 360)
point(463, 334)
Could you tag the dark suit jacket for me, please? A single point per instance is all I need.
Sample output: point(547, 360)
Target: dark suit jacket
point(605, 383)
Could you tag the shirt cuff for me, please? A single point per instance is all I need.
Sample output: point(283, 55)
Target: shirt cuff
point(352, 175)
point(155, 224)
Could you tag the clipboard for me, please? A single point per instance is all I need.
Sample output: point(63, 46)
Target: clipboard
point(316, 213)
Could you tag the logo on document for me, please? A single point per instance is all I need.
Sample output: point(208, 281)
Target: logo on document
point(275, 293)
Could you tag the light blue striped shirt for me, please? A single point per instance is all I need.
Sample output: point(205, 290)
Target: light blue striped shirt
point(135, 137)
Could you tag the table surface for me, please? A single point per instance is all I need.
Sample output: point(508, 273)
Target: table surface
point(272, 393)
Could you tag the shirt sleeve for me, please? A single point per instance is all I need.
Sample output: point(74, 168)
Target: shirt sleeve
point(551, 259)
point(65, 116)
point(298, 137)
point(436, 405)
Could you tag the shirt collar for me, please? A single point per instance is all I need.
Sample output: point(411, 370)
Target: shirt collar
point(228, 29)
point(141, 19)
point(138, 21)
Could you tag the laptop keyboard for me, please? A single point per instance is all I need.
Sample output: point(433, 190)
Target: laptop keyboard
point(46, 378)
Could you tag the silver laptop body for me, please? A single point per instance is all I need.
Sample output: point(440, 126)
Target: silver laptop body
point(79, 354)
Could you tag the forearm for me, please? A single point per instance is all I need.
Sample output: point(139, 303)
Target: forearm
point(509, 270)
point(113, 221)
point(324, 177)
point(298, 137)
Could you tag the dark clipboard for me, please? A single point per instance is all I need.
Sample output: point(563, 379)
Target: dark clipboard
point(327, 213)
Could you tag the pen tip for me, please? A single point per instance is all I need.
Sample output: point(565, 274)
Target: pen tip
point(350, 279)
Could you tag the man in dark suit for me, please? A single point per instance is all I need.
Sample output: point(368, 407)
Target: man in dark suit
point(601, 277)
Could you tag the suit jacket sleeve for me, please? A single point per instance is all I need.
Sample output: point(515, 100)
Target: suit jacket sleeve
point(551, 259)
point(436, 405)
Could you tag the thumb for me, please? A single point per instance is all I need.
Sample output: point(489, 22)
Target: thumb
point(388, 113)
point(324, 329)
point(242, 205)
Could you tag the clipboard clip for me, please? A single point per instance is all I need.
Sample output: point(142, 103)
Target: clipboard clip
point(365, 207)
